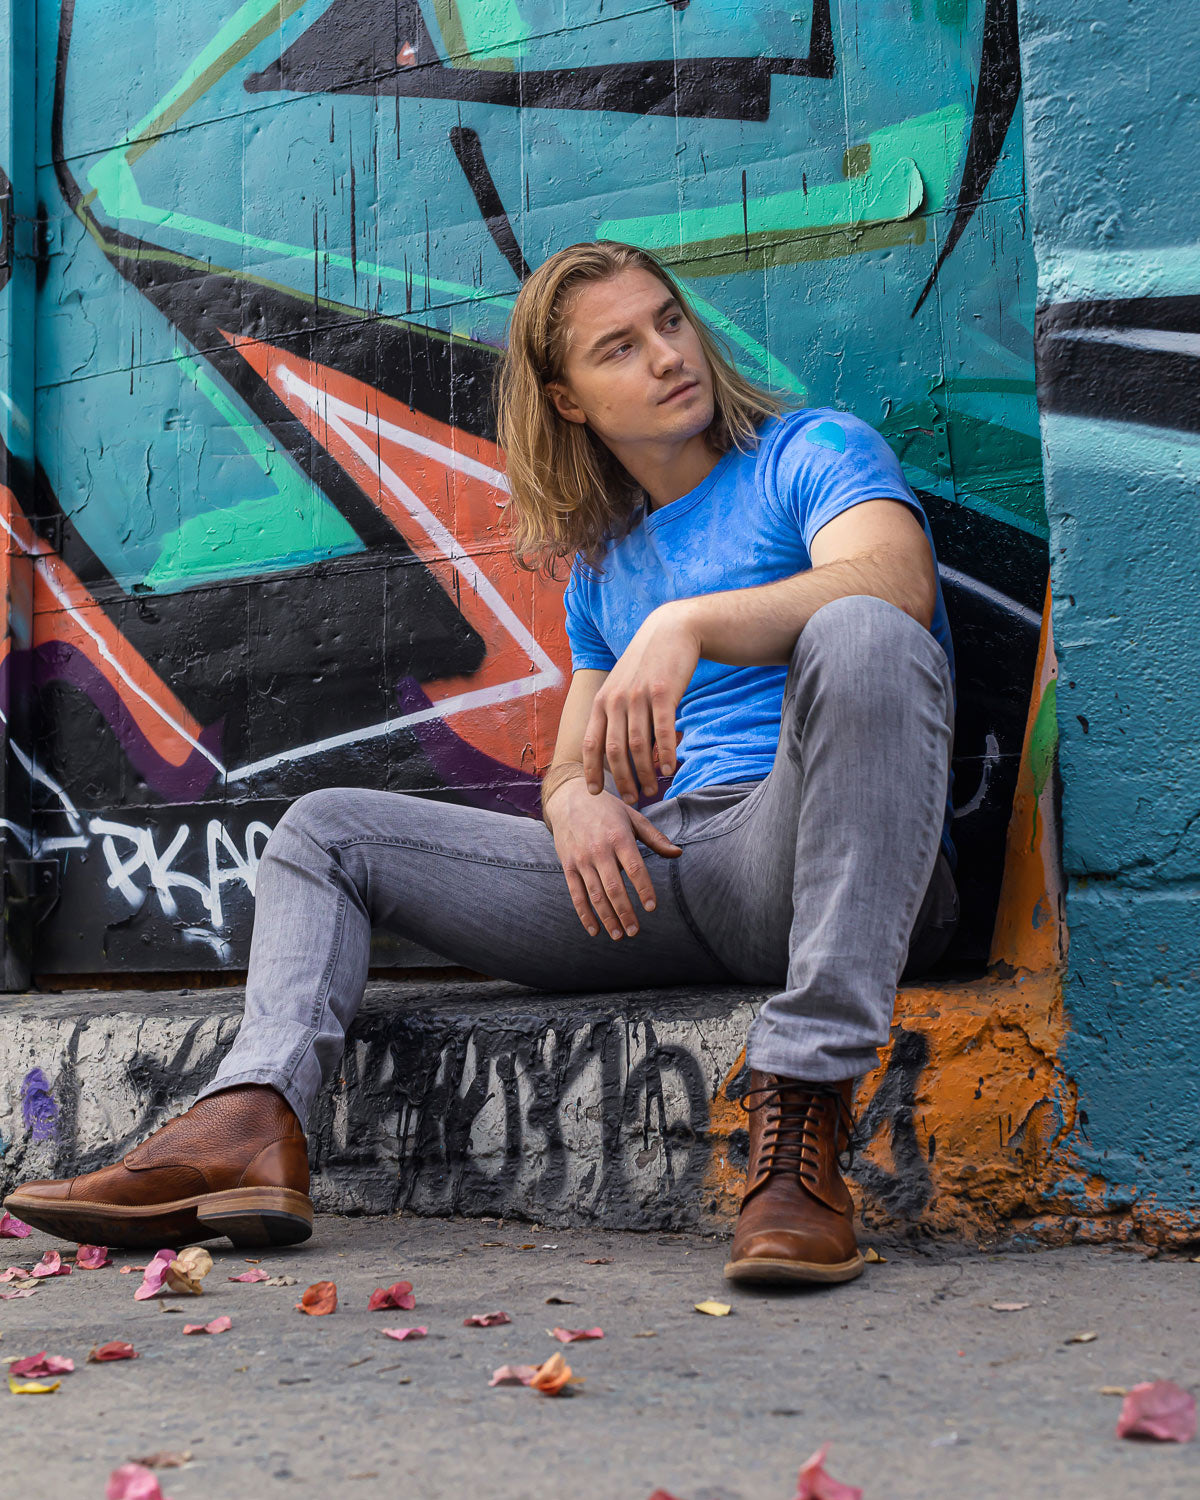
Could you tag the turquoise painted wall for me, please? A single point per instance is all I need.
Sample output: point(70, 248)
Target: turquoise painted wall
point(1112, 128)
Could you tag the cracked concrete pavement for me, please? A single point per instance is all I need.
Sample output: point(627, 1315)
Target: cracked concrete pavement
point(923, 1390)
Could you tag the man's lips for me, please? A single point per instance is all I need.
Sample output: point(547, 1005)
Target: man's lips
point(680, 390)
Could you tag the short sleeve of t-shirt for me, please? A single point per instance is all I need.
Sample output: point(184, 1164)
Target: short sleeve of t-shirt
point(822, 462)
point(588, 647)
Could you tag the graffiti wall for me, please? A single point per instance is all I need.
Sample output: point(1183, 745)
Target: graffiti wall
point(255, 533)
point(1112, 125)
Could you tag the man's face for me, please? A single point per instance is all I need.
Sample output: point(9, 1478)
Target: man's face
point(634, 369)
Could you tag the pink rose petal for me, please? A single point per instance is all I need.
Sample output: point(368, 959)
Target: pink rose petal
point(51, 1264)
point(14, 1273)
point(114, 1349)
point(573, 1335)
point(815, 1484)
point(1158, 1409)
point(133, 1482)
point(486, 1320)
point(92, 1257)
point(513, 1375)
point(25, 1291)
point(399, 1294)
point(218, 1325)
point(257, 1274)
point(404, 1333)
point(13, 1229)
point(156, 1273)
point(37, 1366)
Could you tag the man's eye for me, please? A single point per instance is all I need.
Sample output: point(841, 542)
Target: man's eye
point(620, 349)
point(674, 320)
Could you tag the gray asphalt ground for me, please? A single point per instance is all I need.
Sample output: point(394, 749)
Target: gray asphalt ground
point(923, 1390)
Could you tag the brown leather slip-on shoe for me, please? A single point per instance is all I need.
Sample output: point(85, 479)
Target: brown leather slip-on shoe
point(796, 1222)
point(236, 1164)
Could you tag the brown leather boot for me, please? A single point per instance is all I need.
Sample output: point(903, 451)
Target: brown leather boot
point(236, 1163)
point(796, 1222)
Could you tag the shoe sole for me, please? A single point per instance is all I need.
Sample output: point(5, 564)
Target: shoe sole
point(255, 1217)
point(793, 1272)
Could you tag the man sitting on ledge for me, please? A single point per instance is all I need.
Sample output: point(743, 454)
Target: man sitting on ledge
point(762, 581)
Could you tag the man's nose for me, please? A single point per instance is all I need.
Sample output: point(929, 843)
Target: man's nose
point(664, 356)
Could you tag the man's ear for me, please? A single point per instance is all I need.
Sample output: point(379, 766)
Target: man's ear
point(564, 403)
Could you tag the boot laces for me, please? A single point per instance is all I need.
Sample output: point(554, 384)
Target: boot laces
point(791, 1133)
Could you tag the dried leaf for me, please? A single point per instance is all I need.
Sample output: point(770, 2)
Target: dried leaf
point(132, 1482)
point(218, 1325)
point(1009, 1306)
point(399, 1334)
point(281, 1281)
point(51, 1264)
point(559, 1302)
point(188, 1270)
point(319, 1299)
point(92, 1257)
point(551, 1378)
point(399, 1294)
point(258, 1274)
point(513, 1375)
point(167, 1459)
point(646, 1333)
point(1114, 1390)
point(24, 1291)
point(486, 1320)
point(815, 1484)
point(12, 1228)
point(600, 1260)
point(39, 1366)
point(873, 1257)
point(114, 1349)
point(31, 1387)
point(1082, 1338)
point(574, 1335)
point(1158, 1409)
point(714, 1309)
point(129, 1270)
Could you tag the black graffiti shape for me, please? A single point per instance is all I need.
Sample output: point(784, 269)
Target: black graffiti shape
point(7, 225)
point(906, 1191)
point(996, 97)
point(345, 51)
point(469, 151)
point(1134, 359)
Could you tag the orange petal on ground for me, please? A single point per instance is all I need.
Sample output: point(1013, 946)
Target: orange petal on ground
point(319, 1299)
point(552, 1376)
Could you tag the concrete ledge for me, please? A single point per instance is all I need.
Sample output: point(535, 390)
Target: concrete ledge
point(452, 1097)
point(621, 1109)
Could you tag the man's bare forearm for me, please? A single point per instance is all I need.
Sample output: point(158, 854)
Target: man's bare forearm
point(759, 626)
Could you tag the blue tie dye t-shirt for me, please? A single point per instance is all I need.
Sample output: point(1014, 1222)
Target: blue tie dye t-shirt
point(750, 521)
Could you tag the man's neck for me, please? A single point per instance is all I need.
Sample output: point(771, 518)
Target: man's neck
point(666, 473)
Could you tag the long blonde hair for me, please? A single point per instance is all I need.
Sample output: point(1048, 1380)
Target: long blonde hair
point(567, 492)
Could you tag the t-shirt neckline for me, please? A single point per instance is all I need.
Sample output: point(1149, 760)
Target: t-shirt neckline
point(652, 519)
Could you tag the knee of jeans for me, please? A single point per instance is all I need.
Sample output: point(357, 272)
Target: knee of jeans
point(319, 816)
point(859, 640)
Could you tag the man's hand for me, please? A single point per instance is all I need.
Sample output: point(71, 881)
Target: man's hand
point(596, 838)
point(634, 711)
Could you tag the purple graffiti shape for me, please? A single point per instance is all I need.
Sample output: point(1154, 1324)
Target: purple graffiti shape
point(38, 1106)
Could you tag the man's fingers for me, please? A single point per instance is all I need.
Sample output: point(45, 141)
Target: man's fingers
point(579, 900)
point(641, 745)
point(616, 748)
point(601, 904)
point(592, 748)
point(614, 888)
point(664, 730)
point(653, 837)
point(639, 876)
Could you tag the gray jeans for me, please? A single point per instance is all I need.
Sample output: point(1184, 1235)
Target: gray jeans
point(824, 879)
